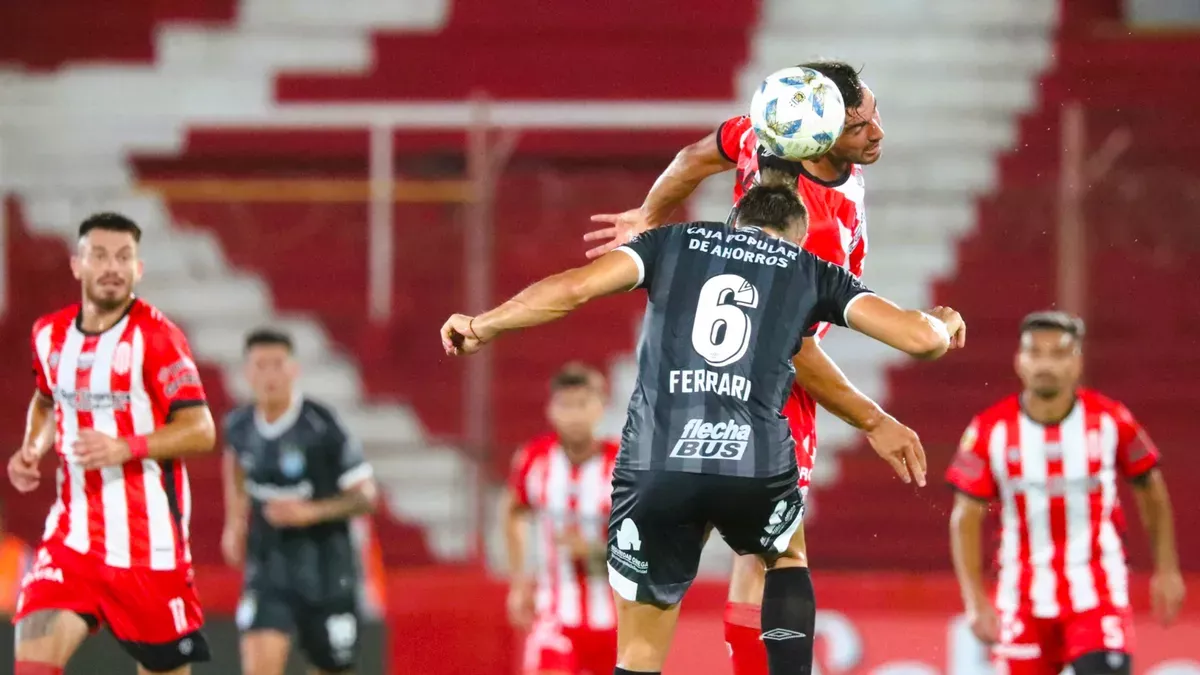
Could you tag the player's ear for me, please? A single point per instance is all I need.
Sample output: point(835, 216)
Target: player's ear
point(141, 269)
point(76, 263)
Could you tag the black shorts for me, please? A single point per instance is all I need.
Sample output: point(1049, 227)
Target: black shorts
point(327, 632)
point(660, 520)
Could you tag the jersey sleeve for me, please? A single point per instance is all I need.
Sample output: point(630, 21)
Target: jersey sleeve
point(837, 289)
point(645, 250)
point(1136, 453)
point(352, 467)
point(729, 137)
point(41, 381)
point(970, 472)
point(170, 373)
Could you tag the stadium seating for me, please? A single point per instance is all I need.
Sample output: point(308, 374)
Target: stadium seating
point(1142, 306)
point(40, 36)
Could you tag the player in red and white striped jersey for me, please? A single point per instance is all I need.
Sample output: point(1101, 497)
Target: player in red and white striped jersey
point(833, 191)
point(1052, 457)
point(120, 401)
point(562, 483)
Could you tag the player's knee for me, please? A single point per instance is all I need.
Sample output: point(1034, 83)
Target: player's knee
point(1103, 663)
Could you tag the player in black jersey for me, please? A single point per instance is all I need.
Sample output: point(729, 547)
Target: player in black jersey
point(295, 475)
point(705, 444)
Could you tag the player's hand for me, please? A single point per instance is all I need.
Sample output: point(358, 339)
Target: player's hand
point(23, 470)
point(520, 604)
point(985, 623)
point(459, 337)
point(94, 450)
point(900, 447)
point(622, 228)
point(233, 545)
point(955, 326)
point(1166, 596)
point(291, 512)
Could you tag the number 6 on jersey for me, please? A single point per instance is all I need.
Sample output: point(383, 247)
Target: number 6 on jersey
point(721, 330)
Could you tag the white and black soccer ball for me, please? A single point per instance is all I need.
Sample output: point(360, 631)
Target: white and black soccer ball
point(797, 113)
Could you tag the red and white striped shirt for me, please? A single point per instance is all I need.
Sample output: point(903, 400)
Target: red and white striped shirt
point(1060, 544)
point(125, 381)
point(837, 233)
point(565, 497)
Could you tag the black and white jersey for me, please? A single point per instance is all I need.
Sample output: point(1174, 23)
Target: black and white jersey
point(306, 454)
point(728, 308)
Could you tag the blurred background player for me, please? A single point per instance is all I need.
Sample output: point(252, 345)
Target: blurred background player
point(1051, 456)
point(561, 483)
point(119, 400)
point(294, 479)
point(833, 191)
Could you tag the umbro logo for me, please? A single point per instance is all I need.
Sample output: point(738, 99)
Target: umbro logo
point(782, 634)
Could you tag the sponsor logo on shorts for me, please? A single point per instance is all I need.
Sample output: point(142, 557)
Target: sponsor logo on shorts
point(782, 517)
point(628, 539)
point(43, 569)
point(705, 440)
point(782, 634)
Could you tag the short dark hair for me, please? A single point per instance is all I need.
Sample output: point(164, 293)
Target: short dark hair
point(112, 222)
point(844, 75)
point(1054, 320)
point(773, 206)
point(267, 337)
point(576, 374)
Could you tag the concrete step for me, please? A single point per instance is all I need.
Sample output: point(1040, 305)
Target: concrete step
point(186, 50)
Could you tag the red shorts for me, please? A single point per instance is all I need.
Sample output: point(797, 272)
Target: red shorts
point(139, 605)
point(1033, 646)
point(578, 651)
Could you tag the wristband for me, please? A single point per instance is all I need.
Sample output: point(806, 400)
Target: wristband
point(137, 447)
point(471, 327)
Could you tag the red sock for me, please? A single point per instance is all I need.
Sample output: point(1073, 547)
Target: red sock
point(743, 635)
point(32, 668)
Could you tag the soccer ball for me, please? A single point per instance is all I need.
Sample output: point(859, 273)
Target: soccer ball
point(797, 113)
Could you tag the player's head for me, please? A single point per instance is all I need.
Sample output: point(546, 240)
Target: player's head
point(270, 368)
point(576, 403)
point(861, 140)
point(106, 262)
point(774, 205)
point(1050, 358)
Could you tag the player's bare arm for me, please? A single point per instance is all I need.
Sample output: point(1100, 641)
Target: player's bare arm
point(925, 335)
point(547, 300)
point(516, 540)
point(39, 438)
point(191, 431)
point(677, 182)
point(966, 549)
point(1154, 506)
point(895, 443)
point(354, 500)
point(237, 509)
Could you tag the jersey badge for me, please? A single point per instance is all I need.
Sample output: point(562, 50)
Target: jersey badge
point(291, 461)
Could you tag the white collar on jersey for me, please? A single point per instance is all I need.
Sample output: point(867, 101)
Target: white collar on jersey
point(273, 430)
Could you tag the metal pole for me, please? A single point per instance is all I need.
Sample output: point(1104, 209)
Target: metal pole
point(380, 238)
point(485, 163)
point(477, 247)
point(1072, 237)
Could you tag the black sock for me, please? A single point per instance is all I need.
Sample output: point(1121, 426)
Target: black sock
point(789, 617)
point(621, 671)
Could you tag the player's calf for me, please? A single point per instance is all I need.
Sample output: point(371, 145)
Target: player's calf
point(47, 639)
point(789, 610)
